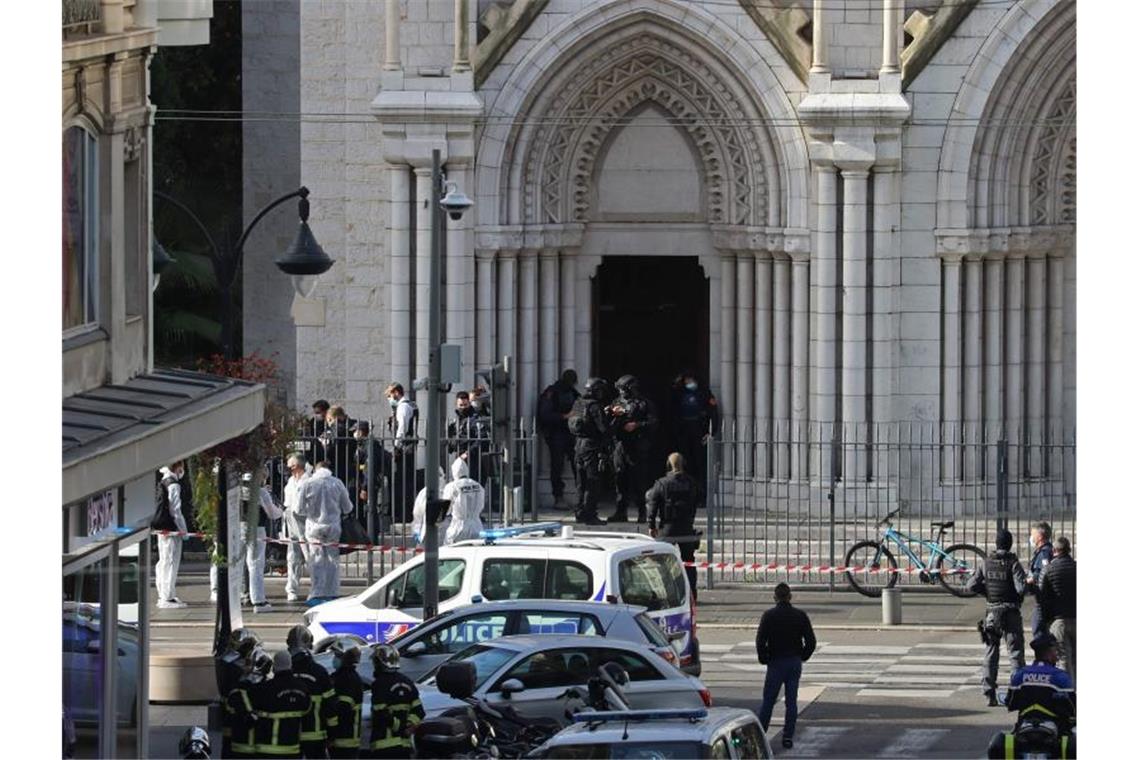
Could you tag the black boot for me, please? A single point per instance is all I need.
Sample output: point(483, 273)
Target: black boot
point(589, 519)
point(641, 518)
point(618, 517)
point(991, 698)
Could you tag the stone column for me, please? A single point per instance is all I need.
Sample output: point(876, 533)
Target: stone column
point(392, 36)
point(744, 346)
point(485, 308)
point(781, 359)
point(825, 278)
point(972, 366)
point(762, 377)
point(728, 336)
point(459, 292)
point(818, 39)
point(994, 311)
point(798, 426)
point(508, 318)
point(1035, 368)
point(951, 364)
point(583, 297)
point(891, 32)
point(568, 283)
point(548, 317)
point(400, 275)
point(462, 60)
point(1056, 378)
point(854, 320)
point(884, 290)
point(423, 268)
point(1014, 363)
point(528, 332)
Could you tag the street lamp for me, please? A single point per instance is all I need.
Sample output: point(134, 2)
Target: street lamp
point(454, 202)
point(159, 261)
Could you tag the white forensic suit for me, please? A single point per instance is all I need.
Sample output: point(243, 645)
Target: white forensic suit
point(253, 535)
point(170, 547)
point(466, 497)
point(324, 501)
point(297, 552)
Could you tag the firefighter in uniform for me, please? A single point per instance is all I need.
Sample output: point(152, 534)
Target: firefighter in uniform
point(635, 420)
point(240, 718)
point(591, 429)
point(344, 723)
point(280, 703)
point(396, 708)
point(232, 667)
point(1042, 695)
point(673, 504)
point(1002, 578)
point(314, 725)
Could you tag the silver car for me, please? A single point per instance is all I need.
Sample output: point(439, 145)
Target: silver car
point(427, 645)
point(720, 732)
point(531, 673)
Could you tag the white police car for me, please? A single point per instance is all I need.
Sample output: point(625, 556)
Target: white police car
point(523, 563)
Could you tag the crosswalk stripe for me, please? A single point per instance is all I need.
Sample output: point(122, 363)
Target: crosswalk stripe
point(975, 647)
point(948, 669)
point(907, 693)
point(916, 679)
point(864, 650)
point(914, 742)
point(813, 740)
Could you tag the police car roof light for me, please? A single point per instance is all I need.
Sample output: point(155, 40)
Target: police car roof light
point(491, 534)
point(611, 716)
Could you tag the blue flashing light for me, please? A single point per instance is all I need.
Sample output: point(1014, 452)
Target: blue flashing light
point(492, 534)
point(611, 716)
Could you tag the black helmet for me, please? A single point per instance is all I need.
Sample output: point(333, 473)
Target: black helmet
point(569, 377)
point(627, 385)
point(243, 641)
point(299, 637)
point(1004, 540)
point(195, 743)
point(595, 388)
point(261, 663)
point(347, 652)
point(385, 657)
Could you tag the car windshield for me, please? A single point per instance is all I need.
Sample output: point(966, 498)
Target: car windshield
point(649, 750)
point(654, 581)
point(486, 659)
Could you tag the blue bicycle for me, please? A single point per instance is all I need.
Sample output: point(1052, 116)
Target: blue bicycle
point(952, 566)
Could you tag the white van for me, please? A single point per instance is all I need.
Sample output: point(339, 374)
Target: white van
point(523, 563)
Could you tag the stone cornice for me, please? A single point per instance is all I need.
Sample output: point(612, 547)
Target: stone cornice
point(1007, 241)
point(531, 236)
point(781, 240)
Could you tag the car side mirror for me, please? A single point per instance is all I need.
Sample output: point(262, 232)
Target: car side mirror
point(415, 649)
point(511, 686)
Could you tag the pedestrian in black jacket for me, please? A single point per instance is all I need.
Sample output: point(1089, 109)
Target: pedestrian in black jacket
point(784, 642)
point(1058, 600)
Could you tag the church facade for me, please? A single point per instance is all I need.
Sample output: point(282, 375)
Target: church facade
point(852, 212)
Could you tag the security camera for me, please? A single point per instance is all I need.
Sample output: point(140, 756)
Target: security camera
point(455, 202)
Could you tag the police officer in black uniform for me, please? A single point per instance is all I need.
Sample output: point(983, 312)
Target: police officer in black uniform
point(469, 432)
point(1002, 578)
point(344, 724)
point(696, 415)
point(314, 726)
point(381, 468)
point(281, 703)
point(396, 707)
point(554, 407)
point(591, 429)
point(634, 423)
point(673, 504)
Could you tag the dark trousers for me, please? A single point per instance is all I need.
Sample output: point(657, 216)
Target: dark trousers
point(688, 550)
point(403, 485)
point(1037, 625)
point(339, 752)
point(588, 466)
point(314, 749)
point(785, 672)
point(1008, 625)
point(559, 448)
point(631, 474)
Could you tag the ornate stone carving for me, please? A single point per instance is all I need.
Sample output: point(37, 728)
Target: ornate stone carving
point(1048, 175)
point(133, 140)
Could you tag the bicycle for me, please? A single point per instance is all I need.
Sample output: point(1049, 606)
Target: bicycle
point(952, 566)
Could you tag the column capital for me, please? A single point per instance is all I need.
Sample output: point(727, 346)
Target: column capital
point(548, 253)
point(485, 254)
point(508, 253)
point(761, 254)
point(854, 169)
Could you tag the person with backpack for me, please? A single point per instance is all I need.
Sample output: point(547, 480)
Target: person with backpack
point(402, 424)
point(554, 407)
point(168, 517)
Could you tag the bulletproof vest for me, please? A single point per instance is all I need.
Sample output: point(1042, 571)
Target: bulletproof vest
point(581, 420)
point(999, 579)
point(162, 519)
point(692, 406)
point(680, 498)
point(636, 410)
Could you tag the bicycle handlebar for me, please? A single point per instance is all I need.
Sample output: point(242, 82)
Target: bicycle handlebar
point(887, 520)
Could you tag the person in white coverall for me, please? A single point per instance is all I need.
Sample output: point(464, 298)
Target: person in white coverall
point(324, 501)
point(466, 497)
point(169, 517)
point(253, 535)
point(297, 552)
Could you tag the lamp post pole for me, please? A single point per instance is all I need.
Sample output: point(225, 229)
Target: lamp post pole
point(431, 460)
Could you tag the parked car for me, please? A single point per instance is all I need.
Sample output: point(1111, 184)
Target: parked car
point(426, 646)
point(522, 563)
point(717, 733)
point(83, 671)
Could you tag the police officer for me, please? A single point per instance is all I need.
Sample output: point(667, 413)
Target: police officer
point(281, 703)
point(314, 729)
point(673, 504)
point(402, 426)
point(240, 717)
point(469, 435)
point(344, 723)
point(396, 708)
point(1040, 538)
point(696, 415)
point(554, 407)
point(381, 467)
point(1002, 578)
point(234, 665)
point(591, 429)
point(1041, 691)
point(635, 421)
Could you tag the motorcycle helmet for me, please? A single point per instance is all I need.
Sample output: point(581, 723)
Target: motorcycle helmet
point(385, 657)
point(195, 743)
point(299, 638)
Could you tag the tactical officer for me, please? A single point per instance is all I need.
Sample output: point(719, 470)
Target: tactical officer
point(381, 468)
point(554, 407)
point(591, 430)
point(696, 415)
point(635, 421)
point(1041, 692)
point(673, 504)
point(344, 724)
point(469, 435)
point(240, 717)
point(281, 703)
point(314, 726)
point(396, 708)
point(234, 665)
point(1002, 578)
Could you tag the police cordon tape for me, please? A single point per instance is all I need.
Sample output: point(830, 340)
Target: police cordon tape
point(769, 566)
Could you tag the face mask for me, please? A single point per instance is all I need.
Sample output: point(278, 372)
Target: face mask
point(690, 386)
point(392, 402)
point(359, 436)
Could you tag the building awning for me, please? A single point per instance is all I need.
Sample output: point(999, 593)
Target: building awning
point(114, 433)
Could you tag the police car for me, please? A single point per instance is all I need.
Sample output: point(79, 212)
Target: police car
point(541, 561)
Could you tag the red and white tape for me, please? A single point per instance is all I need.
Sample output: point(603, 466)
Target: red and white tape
point(825, 569)
point(268, 540)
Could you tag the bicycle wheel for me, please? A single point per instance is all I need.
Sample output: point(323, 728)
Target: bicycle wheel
point(964, 559)
point(871, 554)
